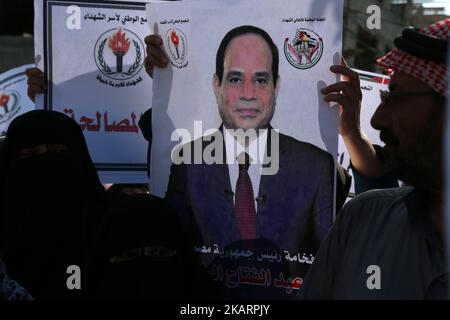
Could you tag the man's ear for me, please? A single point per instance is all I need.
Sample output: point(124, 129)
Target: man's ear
point(216, 85)
point(277, 87)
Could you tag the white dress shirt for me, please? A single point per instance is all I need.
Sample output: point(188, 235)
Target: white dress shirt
point(256, 150)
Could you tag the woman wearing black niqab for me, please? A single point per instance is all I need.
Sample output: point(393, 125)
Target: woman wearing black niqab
point(51, 201)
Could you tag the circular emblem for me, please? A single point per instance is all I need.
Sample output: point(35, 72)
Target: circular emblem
point(118, 54)
point(9, 102)
point(304, 50)
point(176, 46)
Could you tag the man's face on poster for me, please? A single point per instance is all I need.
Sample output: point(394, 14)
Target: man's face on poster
point(246, 96)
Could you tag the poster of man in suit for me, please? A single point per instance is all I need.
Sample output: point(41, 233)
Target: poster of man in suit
point(255, 196)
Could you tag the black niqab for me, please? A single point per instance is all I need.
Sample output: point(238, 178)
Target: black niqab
point(50, 202)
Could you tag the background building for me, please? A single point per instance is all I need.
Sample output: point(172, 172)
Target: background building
point(16, 33)
point(361, 46)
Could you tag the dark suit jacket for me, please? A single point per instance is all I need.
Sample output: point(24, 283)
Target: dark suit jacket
point(296, 207)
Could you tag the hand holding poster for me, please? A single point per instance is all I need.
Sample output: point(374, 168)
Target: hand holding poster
point(230, 75)
point(371, 84)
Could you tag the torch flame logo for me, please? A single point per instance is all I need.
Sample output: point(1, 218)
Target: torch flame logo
point(119, 46)
point(174, 38)
point(118, 43)
point(4, 99)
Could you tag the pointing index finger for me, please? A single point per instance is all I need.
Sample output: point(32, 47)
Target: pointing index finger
point(348, 73)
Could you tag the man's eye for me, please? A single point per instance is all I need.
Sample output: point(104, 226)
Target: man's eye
point(261, 81)
point(234, 80)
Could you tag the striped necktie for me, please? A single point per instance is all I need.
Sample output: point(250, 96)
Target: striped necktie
point(244, 204)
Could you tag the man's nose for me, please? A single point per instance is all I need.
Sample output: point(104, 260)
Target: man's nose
point(247, 90)
point(379, 118)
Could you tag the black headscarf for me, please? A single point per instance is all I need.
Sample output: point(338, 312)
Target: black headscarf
point(143, 252)
point(50, 202)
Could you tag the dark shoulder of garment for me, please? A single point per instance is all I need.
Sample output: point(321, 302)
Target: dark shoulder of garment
point(145, 124)
point(343, 185)
point(378, 248)
point(363, 183)
point(9, 289)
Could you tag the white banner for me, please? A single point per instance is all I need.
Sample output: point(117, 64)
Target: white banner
point(93, 56)
point(309, 40)
point(14, 100)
